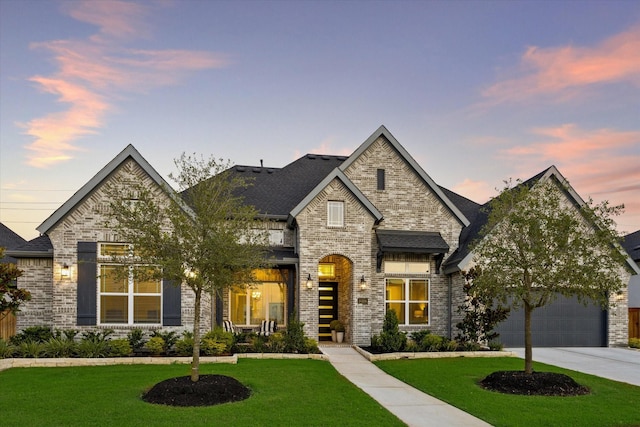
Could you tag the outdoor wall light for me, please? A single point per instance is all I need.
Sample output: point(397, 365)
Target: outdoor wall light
point(65, 272)
point(309, 282)
point(363, 283)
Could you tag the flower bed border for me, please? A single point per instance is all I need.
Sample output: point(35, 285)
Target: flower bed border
point(432, 354)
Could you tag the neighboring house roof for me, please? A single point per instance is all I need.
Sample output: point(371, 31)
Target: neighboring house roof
point(631, 244)
point(85, 190)
point(382, 131)
point(9, 240)
point(40, 247)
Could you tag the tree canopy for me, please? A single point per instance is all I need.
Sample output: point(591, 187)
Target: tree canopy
point(11, 298)
point(539, 243)
point(204, 237)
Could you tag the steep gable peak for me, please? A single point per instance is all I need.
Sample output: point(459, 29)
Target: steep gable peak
point(129, 152)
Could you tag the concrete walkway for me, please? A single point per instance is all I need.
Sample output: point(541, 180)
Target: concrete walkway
point(618, 364)
point(412, 406)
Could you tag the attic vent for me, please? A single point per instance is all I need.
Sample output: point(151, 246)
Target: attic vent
point(325, 157)
point(311, 156)
point(343, 158)
point(257, 170)
point(240, 169)
point(269, 170)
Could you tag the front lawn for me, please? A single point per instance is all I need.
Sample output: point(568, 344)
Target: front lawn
point(455, 381)
point(284, 393)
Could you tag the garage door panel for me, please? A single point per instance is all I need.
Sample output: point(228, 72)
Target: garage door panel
point(565, 322)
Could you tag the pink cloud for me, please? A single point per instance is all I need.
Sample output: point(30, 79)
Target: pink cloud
point(602, 163)
point(561, 71)
point(478, 191)
point(94, 72)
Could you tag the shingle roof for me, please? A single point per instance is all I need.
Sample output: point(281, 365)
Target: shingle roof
point(411, 241)
point(631, 244)
point(276, 191)
point(9, 240)
point(40, 247)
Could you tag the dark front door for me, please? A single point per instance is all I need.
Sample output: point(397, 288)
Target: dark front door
point(327, 308)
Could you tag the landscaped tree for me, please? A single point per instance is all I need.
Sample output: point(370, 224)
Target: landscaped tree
point(206, 237)
point(537, 244)
point(10, 296)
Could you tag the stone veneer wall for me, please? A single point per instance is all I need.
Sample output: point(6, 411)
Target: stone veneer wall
point(406, 204)
point(37, 279)
point(618, 316)
point(86, 223)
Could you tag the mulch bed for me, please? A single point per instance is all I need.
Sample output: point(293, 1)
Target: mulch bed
point(209, 390)
point(535, 384)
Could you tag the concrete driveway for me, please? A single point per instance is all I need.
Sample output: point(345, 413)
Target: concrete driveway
point(619, 364)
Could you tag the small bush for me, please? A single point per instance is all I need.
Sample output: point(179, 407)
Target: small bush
point(418, 336)
point(97, 336)
point(60, 347)
point(30, 349)
point(6, 349)
point(311, 346)
point(258, 343)
point(390, 339)
point(155, 345)
point(184, 346)
point(634, 342)
point(496, 346)
point(136, 339)
point(276, 343)
point(432, 343)
point(168, 337)
point(294, 337)
point(212, 347)
point(68, 334)
point(333, 324)
point(38, 334)
point(119, 347)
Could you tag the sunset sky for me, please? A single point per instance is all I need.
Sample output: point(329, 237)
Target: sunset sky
point(477, 91)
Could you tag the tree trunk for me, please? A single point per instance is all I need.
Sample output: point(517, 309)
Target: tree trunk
point(195, 363)
point(528, 353)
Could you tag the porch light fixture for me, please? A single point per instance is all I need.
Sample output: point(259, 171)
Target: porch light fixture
point(65, 272)
point(363, 283)
point(309, 281)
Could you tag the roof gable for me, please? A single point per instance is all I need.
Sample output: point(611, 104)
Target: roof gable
point(382, 131)
point(335, 174)
point(462, 257)
point(85, 190)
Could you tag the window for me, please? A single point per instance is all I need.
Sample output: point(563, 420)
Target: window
point(380, 176)
point(127, 295)
point(408, 296)
point(262, 301)
point(335, 214)
point(410, 300)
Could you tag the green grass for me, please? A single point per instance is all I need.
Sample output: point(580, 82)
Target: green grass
point(455, 381)
point(284, 393)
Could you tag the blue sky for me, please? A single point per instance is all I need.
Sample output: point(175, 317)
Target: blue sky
point(478, 92)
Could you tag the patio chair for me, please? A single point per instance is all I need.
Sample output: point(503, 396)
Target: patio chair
point(230, 327)
point(267, 327)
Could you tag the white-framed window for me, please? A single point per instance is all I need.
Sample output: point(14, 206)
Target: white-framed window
point(335, 214)
point(265, 300)
point(410, 300)
point(408, 296)
point(126, 295)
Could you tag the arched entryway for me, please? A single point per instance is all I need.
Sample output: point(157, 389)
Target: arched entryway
point(334, 294)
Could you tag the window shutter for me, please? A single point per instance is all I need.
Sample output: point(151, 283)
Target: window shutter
point(87, 279)
point(171, 303)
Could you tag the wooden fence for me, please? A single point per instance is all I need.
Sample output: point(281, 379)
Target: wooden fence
point(7, 325)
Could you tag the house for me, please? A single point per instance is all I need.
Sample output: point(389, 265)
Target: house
point(8, 240)
point(631, 243)
point(352, 236)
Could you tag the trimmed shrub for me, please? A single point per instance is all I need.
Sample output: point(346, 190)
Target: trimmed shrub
point(311, 346)
point(6, 349)
point(184, 346)
point(168, 337)
point(38, 334)
point(29, 349)
point(294, 337)
point(155, 345)
point(390, 339)
point(136, 339)
point(119, 347)
point(432, 343)
point(634, 342)
point(212, 347)
point(276, 343)
point(60, 347)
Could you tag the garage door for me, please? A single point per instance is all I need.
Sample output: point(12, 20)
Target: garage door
point(563, 323)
